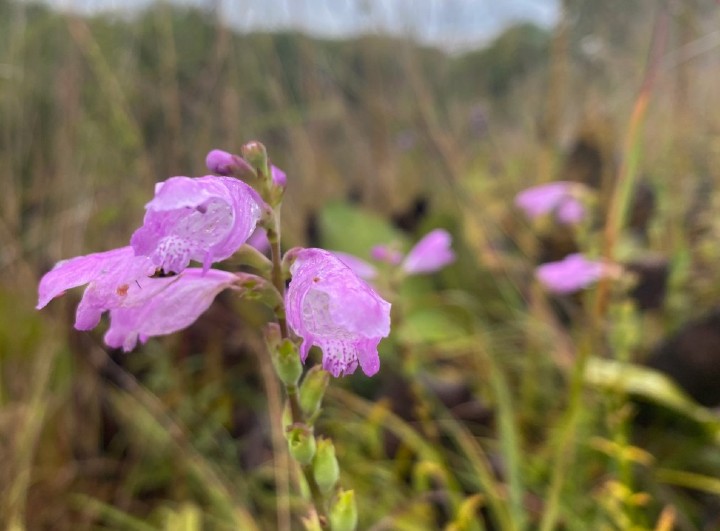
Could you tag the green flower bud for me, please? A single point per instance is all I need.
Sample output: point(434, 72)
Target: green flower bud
point(287, 417)
point(325, 466)
point(255, 153)
point(344, 515)
point(301, 443)
point(312, 390)
point(287, 362)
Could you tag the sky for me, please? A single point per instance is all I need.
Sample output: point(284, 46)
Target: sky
point(450, 24)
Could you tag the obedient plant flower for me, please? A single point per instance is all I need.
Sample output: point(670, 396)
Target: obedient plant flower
point(430, 254)
point(573, 273)
point(328, 306)
point(559, 198)
point(161, 306)
point(205, 219)
point(140, 306)
point(108, 276)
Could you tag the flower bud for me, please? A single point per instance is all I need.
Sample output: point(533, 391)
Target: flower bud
point(278, 177)
point(325, 466)
point(255, 153)
point(344, 515)
point(301, 443)
point(287, 362)
point(312, 390)
point(224, 163)
point(287, 419)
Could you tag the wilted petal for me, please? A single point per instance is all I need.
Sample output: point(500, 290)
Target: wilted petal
point(108, 275)
point(205, 219)
point(430, 254)
point(330, 307)
point(572, 273)
point(559, 197)
point(160, 306)
point(360, 267)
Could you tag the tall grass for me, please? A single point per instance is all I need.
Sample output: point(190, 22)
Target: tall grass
point(515, 419)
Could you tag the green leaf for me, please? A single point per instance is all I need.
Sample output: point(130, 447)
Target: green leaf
point(350, 229)
point(432, 325)
point(650, 384)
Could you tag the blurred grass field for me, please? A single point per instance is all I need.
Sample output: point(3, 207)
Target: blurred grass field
point(480, 417)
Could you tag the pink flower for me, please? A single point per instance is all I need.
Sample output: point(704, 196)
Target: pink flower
point(140, 306)
point(161, 306)
point(108, 276)
point(572, 273)
point(328, 306)
point(205, 219)
point(430, 254)
point(558, 197)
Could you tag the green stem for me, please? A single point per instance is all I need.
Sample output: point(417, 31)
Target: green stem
point(291, 390)
point(565, 449)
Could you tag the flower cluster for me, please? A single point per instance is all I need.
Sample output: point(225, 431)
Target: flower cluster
point(562, 199)
point(149, 289)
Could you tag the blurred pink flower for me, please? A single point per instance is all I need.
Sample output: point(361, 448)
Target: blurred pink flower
point(387, 254)
point(204, 219)
point(572, 273)
point(430, 254)
point(360, 267)
point(330, 307)
point(559, 198)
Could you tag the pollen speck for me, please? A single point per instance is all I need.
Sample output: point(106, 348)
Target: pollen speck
point(122, 290)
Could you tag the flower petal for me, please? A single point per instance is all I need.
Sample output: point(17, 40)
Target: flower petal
point(205, 219)
point(571, 274)
point(430, 254)
point(160, 306)
point(108, 275)
point(329, 306)
point(278, 176)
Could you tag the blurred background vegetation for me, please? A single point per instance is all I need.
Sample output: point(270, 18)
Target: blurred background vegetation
point(382, 139)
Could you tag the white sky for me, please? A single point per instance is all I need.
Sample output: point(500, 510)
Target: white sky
point(447, 23)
